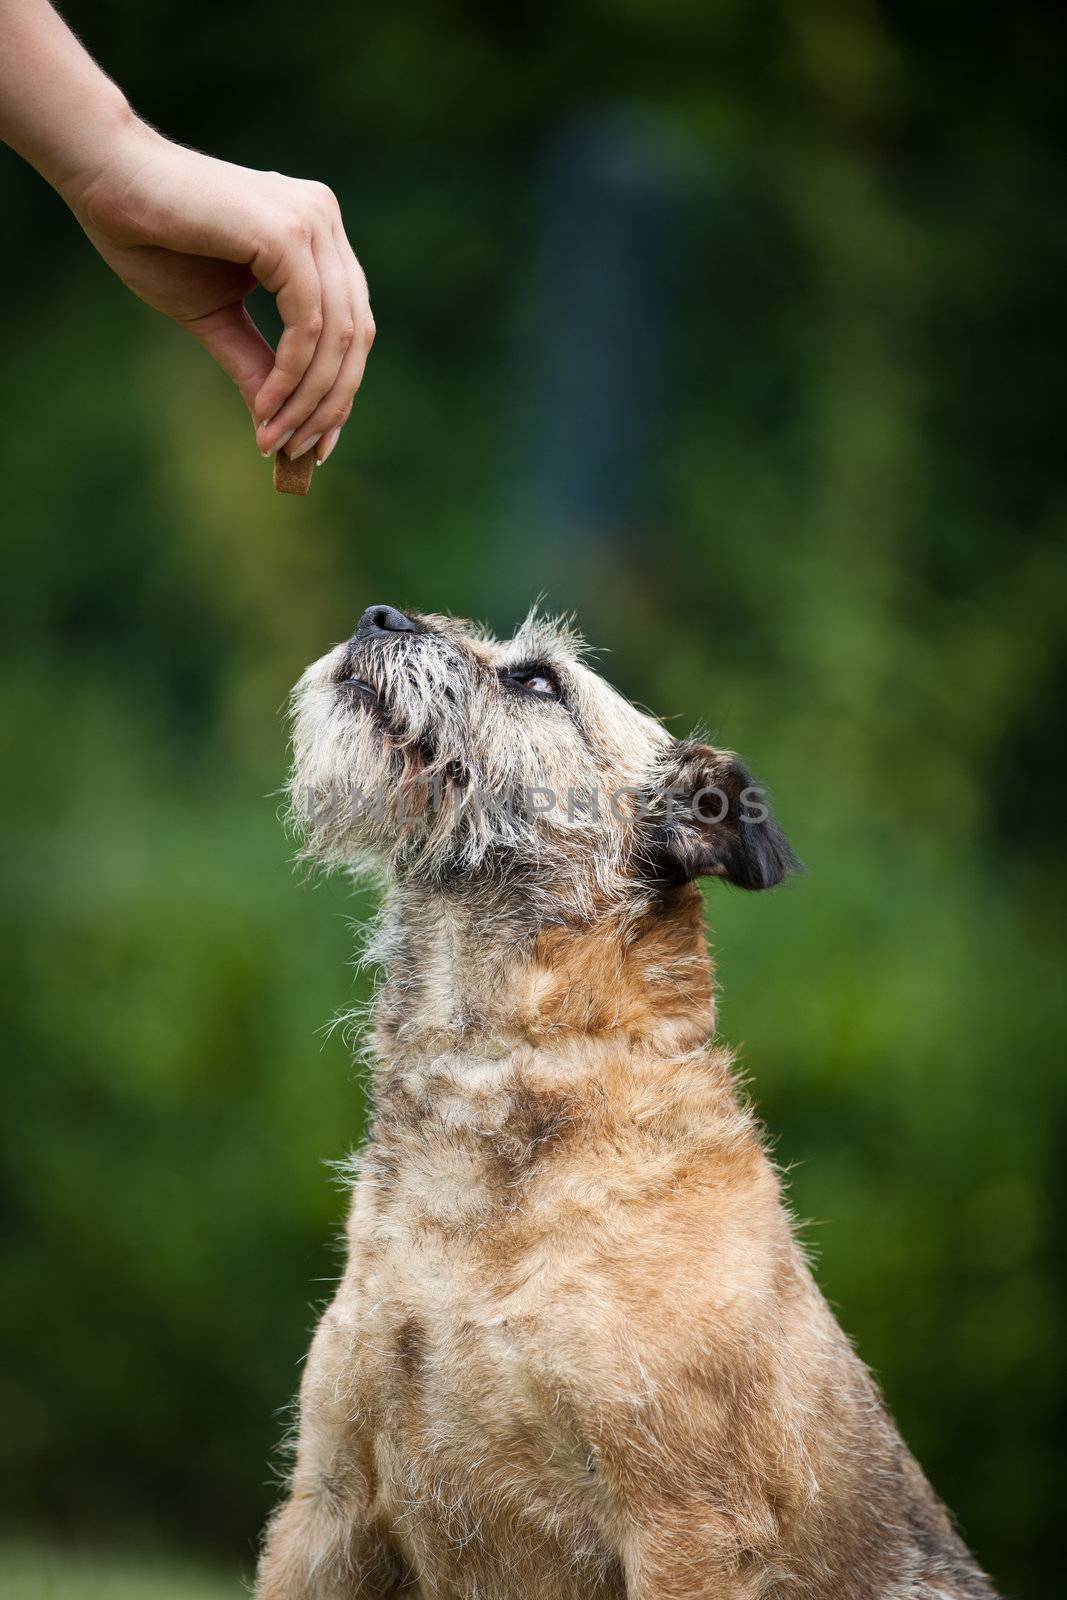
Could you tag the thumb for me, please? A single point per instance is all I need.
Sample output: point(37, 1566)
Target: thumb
point(232, 339)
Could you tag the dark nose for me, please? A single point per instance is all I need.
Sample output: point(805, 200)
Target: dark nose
point(379, 621)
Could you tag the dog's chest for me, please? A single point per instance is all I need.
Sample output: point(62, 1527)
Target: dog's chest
point(465, 1240)
point(463, 1233)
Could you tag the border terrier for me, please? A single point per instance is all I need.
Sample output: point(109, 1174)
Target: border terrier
point(576, 1350)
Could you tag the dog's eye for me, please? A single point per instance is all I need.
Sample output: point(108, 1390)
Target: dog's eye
point(538, 683)
point(538, 680)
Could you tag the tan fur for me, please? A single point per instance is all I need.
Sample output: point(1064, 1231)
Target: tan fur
point(576, 1350)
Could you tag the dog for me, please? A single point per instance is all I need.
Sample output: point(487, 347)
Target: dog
point(576, 1350)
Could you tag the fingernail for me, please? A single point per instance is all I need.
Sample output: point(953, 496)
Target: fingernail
point(294, 455)
point(328, 444)
point(273, 451)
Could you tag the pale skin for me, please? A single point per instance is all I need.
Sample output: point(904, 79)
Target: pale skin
point(192, 235)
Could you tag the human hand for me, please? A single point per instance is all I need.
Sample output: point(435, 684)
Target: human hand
point(192, 236)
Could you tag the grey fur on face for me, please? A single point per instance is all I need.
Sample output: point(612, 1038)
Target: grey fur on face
point(442, 755)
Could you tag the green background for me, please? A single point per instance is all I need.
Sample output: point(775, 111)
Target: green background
point(732, 326)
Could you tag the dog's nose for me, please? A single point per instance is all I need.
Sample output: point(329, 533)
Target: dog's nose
point(378, 621)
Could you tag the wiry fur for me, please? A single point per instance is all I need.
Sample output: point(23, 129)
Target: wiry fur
point(576, 1350)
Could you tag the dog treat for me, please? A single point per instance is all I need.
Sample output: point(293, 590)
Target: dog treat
point(294, 477)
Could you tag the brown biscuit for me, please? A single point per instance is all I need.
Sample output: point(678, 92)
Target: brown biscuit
point(294, 477)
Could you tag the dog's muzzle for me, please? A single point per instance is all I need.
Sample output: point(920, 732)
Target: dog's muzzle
point(376, 626)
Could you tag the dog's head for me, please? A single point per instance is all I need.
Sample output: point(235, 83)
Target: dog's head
point(426, 747)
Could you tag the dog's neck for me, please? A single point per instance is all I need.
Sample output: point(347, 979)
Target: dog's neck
point(459, 979)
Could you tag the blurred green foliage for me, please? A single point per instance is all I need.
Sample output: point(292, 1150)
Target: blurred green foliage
point(823, 512)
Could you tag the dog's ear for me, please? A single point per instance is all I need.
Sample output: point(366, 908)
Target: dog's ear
point(704, 816)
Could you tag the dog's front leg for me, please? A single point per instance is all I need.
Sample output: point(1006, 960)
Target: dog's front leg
point(322, 1543)
point(317, 1549)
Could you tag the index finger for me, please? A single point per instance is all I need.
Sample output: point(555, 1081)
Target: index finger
point(232, 338)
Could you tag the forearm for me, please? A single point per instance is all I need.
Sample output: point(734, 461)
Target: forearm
point(57, 108)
